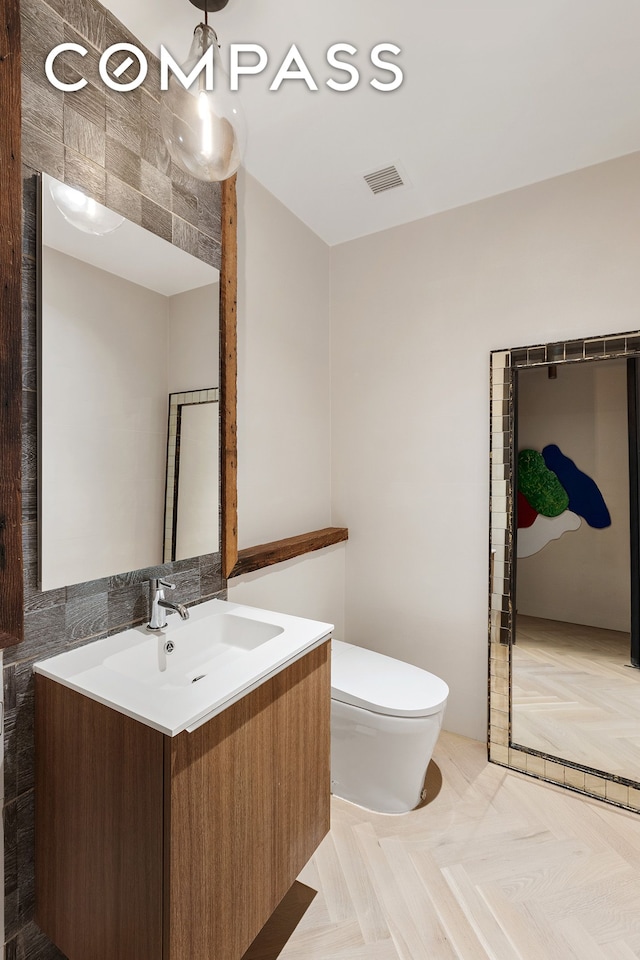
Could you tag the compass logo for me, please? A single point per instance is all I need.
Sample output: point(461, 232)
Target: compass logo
point(245, 59)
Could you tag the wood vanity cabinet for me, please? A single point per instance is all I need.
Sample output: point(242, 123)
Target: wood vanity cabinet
point(150, 847)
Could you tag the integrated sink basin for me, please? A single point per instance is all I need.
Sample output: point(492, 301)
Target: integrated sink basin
point(180, 677)
point(195, 649)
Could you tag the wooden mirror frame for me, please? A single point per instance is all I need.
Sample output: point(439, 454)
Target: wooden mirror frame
point(619, 791)
point(229, 377)
point(11, 574)
point(11, 554)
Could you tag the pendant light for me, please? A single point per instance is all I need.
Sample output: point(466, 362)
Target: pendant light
point(204, 130)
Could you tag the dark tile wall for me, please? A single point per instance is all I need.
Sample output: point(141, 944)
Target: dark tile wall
point(108, 144)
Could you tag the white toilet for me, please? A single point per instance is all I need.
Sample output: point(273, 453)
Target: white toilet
point(385, 719)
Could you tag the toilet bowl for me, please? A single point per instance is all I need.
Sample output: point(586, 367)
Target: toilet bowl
point(385, 719)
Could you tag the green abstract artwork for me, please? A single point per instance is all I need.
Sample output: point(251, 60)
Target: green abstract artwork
point(540, 485)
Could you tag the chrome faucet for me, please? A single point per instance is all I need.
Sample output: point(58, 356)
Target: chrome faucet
point(158, 604)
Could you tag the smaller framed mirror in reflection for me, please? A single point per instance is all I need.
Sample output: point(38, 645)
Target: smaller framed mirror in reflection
point(193, 467)
point(126, 320)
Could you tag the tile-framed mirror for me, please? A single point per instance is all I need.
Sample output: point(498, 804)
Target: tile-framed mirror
point(564, 620)
point(192, 474)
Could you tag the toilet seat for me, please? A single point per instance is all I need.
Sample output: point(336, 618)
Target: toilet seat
point(383, 685)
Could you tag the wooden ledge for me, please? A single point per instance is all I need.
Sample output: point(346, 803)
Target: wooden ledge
point(265, 554)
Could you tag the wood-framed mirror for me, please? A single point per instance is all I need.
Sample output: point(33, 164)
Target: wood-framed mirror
point(564, 541)
point(115, 155)
point(128, 335)
point(11, 567)
point(23, 150)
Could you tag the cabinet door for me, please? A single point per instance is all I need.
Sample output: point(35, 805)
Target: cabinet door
point(248, 799)
point(99, 828)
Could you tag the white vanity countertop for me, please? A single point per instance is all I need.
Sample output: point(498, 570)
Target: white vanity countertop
point(222, 652)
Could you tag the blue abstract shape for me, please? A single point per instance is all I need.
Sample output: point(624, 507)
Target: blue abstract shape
point(585, 498)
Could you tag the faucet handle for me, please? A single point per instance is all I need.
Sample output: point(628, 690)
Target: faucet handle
point(155, 584)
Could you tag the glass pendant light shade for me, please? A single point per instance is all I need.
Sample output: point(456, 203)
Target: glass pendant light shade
point(84, 212)
point(204, 129)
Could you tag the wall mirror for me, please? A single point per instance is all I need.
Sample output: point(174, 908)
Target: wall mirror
point(193, 474)
point(127, 320)
point(565, 576)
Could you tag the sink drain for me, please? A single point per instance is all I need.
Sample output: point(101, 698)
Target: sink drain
point(195, 679)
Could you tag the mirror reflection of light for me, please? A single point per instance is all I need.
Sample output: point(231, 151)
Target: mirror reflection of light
point(83, 212)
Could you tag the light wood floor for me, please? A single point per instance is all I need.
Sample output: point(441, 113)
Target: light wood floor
point(498, 866)
point(574, 697)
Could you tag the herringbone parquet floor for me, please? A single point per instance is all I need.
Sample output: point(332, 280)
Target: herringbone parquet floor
point(497, 866)
point(575, 696)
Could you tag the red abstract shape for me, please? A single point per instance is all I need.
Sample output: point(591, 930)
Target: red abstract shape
point(526, 513)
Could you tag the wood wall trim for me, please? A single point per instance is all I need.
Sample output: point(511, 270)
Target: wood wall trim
point(265, 554)
point(11, 582)
point(236, 562)
point(229, 376)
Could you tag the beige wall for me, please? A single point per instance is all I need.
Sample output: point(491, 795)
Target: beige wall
point(192, 362)
point(104, 422)
point(284, 372)
point(415, 312)
point(584, 576)
point(198, 506)
point(309, 586)
point(284, 406)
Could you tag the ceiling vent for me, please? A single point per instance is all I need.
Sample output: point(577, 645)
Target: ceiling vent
point(388, 178)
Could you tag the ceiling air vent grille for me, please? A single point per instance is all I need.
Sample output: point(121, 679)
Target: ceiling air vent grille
point(386, 179)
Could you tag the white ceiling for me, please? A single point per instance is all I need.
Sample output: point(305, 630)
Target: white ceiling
point(496, 95)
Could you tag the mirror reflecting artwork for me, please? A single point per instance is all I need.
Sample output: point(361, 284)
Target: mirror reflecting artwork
point(127, 320)
point(565, 563)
